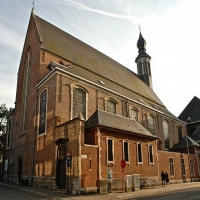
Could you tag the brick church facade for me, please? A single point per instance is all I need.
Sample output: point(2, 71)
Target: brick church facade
point(78, 114)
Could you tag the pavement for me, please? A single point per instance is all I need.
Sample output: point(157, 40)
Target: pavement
point(107, 196)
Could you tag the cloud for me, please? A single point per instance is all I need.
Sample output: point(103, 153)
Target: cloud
point(81, 6)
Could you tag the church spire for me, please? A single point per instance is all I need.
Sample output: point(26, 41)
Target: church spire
point(143, 62)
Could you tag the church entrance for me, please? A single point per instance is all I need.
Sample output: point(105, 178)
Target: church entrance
point(61, 163)
point(19, 170)
point(62, 167)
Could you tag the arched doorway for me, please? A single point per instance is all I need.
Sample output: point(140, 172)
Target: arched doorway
point(19, 169)
point(61, 163)
point(62, 166)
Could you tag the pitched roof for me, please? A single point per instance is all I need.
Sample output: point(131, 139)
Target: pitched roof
point(70, 48)
point(183, 143)
point(191, 113)
point(196, 135)
point(113, 121)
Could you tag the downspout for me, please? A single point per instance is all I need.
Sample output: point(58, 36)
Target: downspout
point(99, 157)
point(79, 160)
point(188, 157)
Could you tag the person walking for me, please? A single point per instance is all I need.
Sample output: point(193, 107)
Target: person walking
point(163, 178)
point(166, 177)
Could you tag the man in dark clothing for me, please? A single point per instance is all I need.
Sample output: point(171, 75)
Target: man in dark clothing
point(163, 178)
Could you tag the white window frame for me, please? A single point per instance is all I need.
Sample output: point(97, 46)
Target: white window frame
point(110, 161)
point(139, 162)
point(127, 161)
point(171, 166)
point(150, 152)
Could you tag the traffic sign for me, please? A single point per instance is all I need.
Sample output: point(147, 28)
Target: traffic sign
point(123, 163)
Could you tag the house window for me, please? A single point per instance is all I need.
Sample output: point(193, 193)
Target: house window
point(134, 114)
point(171, 166)
point(126, 150)
point(111, 106)
point(79, 102)
point(110, 149)
point(43, 110)
point(180, 133)
point(139, 153)
point(166, 135)
point(192, 166)
point(9, 133)
point(151, 126)
point(151, 161)
point(183, 166)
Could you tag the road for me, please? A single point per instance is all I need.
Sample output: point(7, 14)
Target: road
point(186, 194)
point(21, 193)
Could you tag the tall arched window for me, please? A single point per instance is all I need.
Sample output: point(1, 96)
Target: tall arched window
point(111, 106)
point(79, 102)
point(166, 134)
point(133, 114)
point(25, 91)
point(43, 111)
point(151, 126)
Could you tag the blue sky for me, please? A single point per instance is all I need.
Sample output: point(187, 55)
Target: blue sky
point(171, 29)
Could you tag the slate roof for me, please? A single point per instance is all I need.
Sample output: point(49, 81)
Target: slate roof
point(183, 143)
point(196, 135)
point(94, 65)
point(191, 113)
point(66, 46)
point(113, 121)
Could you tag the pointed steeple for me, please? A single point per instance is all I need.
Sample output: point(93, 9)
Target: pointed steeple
point(143, 62)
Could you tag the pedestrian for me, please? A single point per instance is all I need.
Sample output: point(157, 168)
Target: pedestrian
point(163, 178)
point(167, 179)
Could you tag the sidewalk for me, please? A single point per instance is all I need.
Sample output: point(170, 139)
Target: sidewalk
point(139, 193)
point(107, 196)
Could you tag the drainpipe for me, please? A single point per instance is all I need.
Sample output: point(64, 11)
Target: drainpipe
point(99, 155)
point(188, 157)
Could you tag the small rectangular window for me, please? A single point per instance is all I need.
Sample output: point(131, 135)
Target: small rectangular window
point(139, 152)
point(110, 150)
point(171, 166)
point(151, 161)
point(192, 167)
point(126, 151)
point(183, 166)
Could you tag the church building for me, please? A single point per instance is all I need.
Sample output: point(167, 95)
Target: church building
point(82, 120)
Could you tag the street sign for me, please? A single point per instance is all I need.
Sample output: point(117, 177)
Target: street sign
point(123, 163)
point(69, 153)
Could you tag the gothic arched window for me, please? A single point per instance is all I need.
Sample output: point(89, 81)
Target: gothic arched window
point(111, 106)
point(79, 102)
point(151, 126)
point(43, 112)
point(166, 134)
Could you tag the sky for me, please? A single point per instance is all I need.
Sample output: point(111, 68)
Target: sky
point(171, 29)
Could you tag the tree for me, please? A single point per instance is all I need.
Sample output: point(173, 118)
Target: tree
point(3, 123)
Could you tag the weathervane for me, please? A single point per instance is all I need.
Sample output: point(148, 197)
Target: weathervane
point(33, 4)
point(139, 27)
